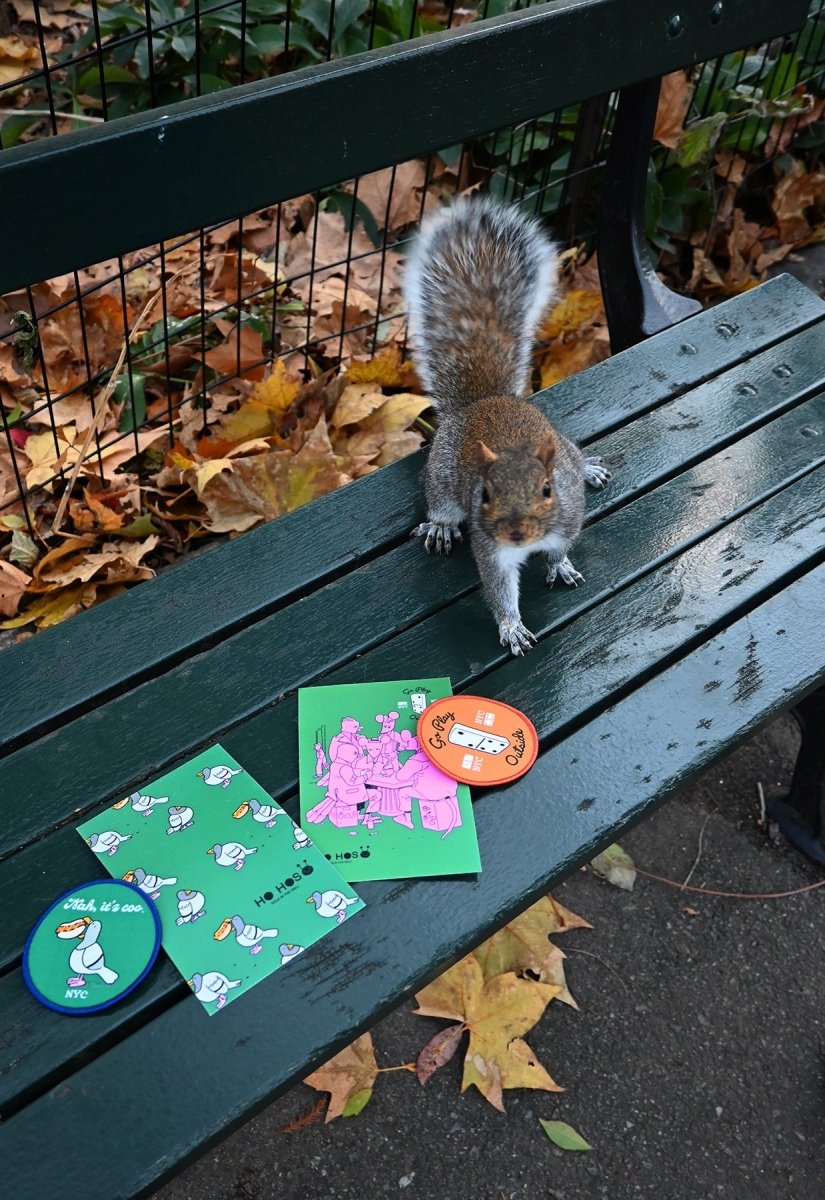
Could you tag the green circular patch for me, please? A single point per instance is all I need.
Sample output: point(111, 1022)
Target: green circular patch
point(92, 947)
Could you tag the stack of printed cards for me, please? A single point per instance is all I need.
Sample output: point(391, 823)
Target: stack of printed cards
point(370, 797)
point(240, 889)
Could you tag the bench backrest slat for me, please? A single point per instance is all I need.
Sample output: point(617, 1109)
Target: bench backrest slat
point(90, 195)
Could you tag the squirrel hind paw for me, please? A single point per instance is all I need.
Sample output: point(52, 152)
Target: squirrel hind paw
point(516, 636)
point(437, 536)
point(565, 571)
point(595, 473)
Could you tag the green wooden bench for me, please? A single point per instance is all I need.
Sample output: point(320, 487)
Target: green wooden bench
point(700, 620)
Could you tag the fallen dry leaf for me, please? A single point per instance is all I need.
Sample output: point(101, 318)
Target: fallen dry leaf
point(17, 58)
point(394, 195)
point(356, 402)
point(265, 486)
point(385, 369)
point(496, 1012)
point(797, 192)
point(396, 413)
point(675, 95)
point(242, 354)
point(346, 1076)
point(13, 583)
point(438, 1051)
point(577, 308)
point(523, 945)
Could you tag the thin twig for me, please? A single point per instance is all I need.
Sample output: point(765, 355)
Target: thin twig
point(810, 887)
point(590, 954)
point(763, 812)
point(44, 112)
point(698, 852)
point(103, 397)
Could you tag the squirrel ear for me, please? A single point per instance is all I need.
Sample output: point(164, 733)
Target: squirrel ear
point(485, 454)
point(547, 450)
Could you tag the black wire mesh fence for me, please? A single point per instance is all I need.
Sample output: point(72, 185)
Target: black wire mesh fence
point(169, 360)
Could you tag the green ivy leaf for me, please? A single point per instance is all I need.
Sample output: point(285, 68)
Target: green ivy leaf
point(698, 140)
point(563, 1135)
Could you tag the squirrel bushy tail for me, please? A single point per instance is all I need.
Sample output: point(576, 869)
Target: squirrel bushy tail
point(478, 281)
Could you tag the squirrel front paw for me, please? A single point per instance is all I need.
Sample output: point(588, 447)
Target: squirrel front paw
point(516, 635)
point(566, 572)
point(595, 473)
point(437, 536)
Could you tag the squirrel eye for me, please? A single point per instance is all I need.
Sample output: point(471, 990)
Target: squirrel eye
point(485, 496)
point(547, 490)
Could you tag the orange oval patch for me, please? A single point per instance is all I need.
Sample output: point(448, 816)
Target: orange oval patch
point(476, 740)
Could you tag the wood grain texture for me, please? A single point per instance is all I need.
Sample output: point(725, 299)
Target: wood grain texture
point(580, 795)
point(203, 601)
point(489, 74)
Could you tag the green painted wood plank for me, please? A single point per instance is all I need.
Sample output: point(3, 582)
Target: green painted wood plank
point(491, 74)
point(122, 743)
point(62, 671)
point(579, 796)
point(590, 404)
point(581, 661)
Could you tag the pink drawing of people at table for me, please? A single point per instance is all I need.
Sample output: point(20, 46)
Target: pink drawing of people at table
point(366, 781)
point(344, 780)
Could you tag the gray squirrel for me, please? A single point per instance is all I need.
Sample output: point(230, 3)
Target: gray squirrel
point(478, 281)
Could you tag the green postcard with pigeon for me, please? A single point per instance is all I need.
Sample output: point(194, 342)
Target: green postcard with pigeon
point(370, 797)
point(241, 890)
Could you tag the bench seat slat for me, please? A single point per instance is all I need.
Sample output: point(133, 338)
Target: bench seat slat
point(257, 666)
point(590, 404)
point(609, 648)
point(202, 600)
point(565, 811)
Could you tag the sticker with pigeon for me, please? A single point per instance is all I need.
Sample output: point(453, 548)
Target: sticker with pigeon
point(241, 890)
point(370, 797)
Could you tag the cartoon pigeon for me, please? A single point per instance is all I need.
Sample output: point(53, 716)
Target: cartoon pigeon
point(249, 936)
point(212, 986)
point(108, 842)
point(181, 817)
point(289, 951)
point(231, 854)
point(265, 814)
point(332, 904)
point(191, 905)
point(302, 840)
point(141, 804)
point(218, 776)
point(150, 885)
point(87, 956)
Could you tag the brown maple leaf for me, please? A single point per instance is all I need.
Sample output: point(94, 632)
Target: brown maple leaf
point(346, 1077)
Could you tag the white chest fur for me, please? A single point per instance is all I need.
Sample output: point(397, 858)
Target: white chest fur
point(511, 558)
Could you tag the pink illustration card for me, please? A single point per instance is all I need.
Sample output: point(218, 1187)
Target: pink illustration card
point(371, 800)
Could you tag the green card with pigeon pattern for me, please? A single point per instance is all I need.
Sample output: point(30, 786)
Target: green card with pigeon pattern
point(372, 800)
point(240, 888)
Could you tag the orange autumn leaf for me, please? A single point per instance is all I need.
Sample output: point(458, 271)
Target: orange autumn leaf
point(241, 354)
point(674, 99)
point(13, 583)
